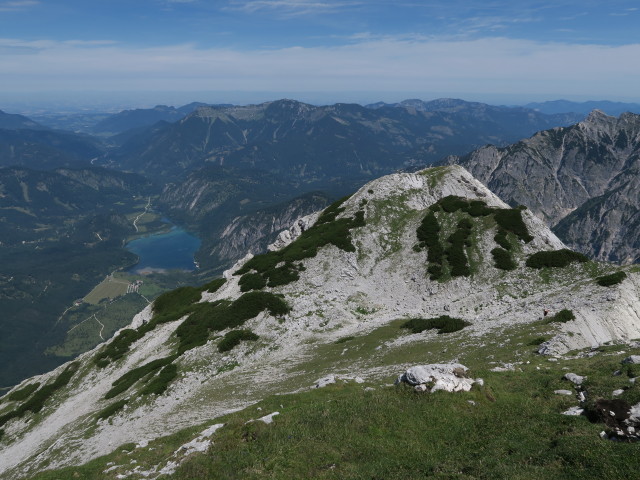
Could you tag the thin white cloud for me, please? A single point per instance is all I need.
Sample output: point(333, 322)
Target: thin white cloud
point(17, 5)
point(484, 66)
point(290, 7)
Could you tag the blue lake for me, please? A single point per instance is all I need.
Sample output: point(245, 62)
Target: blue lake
point(172, 250)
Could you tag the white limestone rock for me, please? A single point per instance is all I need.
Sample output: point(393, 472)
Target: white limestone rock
point(574, 411)
point(563, 392)
point(575, 379)
point(438, 376)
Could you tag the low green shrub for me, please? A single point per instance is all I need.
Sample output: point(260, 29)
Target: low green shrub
point(501, 239)
point(536, 341)
point(217, 316)
point(456, 255)
point(252, 281)
point(443, 323)
point(428, 236)
point(35, 403)
point(503, 260)
point(117, 347)
point(562, 316)
point(234, 337)
point(510, 219)
point(37, 400)
point(111, 409)
point(123, 383)
point(555, 258)
point(23, 393)
point(158, 384)
point(452, 203)
point(176, 299)
point(612, 279)
point(1, 434)
point(168, 307)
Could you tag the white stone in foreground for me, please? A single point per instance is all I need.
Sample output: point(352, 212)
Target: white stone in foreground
point(442, 376)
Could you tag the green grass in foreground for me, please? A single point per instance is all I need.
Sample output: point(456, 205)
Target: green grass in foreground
point(513, 431)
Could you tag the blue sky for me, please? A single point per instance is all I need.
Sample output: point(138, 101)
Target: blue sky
point(241, 51)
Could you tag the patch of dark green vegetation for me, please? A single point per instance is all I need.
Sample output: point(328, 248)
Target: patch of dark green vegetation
point(443, 323)
point(35, 403)
point(501, 239)
point(502, 259)
point(1, 433)
point(217, 316)
point(168, 307)
point(452, 203)
point(536, 341)
point(123, 383)
point(456, 256)
point(158, 384)
point(280, 267)
point(176, 299)
point(562, 316)
point(428, 236)
point(234, 337)
point(252, 281)
point(346, 339)
point(611, 279)
point(112, 409)
point(555, 258)
point(510, 219)
point(23, 393)
point(117, 347)
point(507, 219)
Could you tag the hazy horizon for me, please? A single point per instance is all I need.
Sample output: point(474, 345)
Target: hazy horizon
point(137, 54)
point(108, 102)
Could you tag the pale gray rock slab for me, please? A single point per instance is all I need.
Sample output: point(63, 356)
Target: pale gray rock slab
point(563, 392)
point(575, 379)
point(574, 411)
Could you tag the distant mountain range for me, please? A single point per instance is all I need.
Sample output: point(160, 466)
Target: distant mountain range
point(315, 144)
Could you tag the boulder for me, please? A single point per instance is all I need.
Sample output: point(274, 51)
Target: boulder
point(449, 377)
point(324, 381)
point(575, 379)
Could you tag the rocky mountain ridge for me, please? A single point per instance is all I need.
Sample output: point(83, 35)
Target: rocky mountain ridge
point(354, 270)
point(574, 174)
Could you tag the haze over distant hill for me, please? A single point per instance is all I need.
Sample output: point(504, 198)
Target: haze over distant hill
point(565, 106)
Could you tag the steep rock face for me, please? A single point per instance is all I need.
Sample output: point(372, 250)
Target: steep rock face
point(253, 232)
point(587, 167)
point(356, 271)
point(607, 227)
